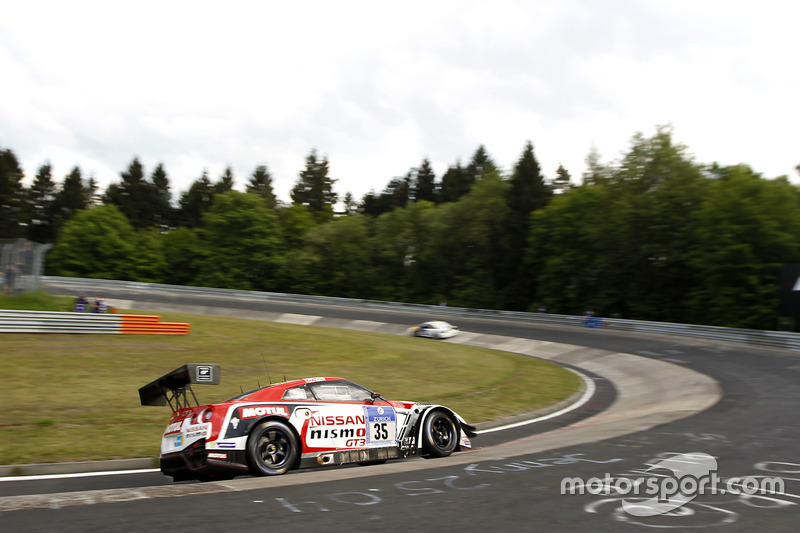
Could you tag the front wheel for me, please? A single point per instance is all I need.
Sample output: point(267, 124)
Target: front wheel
point(271, 449)
point(439, 435)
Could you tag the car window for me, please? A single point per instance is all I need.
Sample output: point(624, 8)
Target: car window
point(340, 391)
point(296, 393)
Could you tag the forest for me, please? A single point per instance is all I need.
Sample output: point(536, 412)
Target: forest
point(653, 235)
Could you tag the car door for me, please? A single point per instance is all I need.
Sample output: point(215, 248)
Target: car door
point(345, 416)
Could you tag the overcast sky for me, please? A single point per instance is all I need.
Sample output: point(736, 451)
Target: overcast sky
point(378, 86)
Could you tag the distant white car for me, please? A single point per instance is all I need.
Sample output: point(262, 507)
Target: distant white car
point(436, 329)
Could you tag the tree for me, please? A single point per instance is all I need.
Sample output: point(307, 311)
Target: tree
point(350, 204)
point(463, 254)
point(395, 195)
point(565, 254)
point(11, 204)
point(147, 264)
point(397, 238)
point(41, 206)
point(95, 243)
point(480, 165)
point(134, 196)
point(623, 245)
point(745, 230)
point(526, 194)
point(70, 199)
point(195, 202)
point(456, 183)
point(164, 213)
point(425, 183)
point(182, 256)
point(240, 239)
point(334, 260)
point(261, 184)
point(596, 172)
point(225, 183)
point(561, 183)
point(296, 222)
point(314, 188)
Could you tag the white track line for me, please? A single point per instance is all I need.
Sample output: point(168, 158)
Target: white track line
point(588, 393)
point(78, 474)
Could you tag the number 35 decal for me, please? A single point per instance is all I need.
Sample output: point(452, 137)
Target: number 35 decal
point(382, 424)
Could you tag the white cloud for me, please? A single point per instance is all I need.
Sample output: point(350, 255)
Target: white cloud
point(378, 87)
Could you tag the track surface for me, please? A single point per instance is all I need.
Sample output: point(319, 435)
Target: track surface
point(753, 431)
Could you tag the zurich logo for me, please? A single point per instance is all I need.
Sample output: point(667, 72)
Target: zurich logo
point(380, 410)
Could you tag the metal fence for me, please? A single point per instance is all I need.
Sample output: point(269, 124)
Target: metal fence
point(21, 263)
point(771, 339)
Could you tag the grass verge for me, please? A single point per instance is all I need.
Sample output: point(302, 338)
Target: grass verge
point(75, 397)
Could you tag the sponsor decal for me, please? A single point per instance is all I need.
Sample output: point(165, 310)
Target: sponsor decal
point(252, 412)
point(381, 425)
point(178, 441)
point(313, 380)
point(204, 374)
point(235, 423)
point(175, 427)
point(340, 420)
point(352, 427)
point(217, 455)
point(226, 445)
point(345, 427)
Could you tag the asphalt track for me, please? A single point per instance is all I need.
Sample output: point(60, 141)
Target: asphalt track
point(653, 398)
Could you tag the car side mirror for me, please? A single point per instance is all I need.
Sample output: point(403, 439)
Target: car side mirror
point(374, 396)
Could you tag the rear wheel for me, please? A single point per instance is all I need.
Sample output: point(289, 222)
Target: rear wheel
point(271, 449)
point(439, 435)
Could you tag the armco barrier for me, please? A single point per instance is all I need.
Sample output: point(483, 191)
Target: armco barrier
point(21, 321)
point(770, 339)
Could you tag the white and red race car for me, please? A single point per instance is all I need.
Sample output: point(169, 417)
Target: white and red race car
point(302, 423)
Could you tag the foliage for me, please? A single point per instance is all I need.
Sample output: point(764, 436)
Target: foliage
point(653, 235)
point(239, 240)
point(746, 229)
point(314, 189)
point(95, 243)
point(10, 194)
point(261, 184)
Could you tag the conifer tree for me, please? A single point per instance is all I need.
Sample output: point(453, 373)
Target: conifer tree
point(41, 201)
point(261, 184)
point(314, 188)
point(164, 213)
point(195, 202)
point(225, 183)
point(10, 195)
point(425, 183)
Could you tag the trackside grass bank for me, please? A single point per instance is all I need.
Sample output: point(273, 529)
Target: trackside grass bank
point(75, 397)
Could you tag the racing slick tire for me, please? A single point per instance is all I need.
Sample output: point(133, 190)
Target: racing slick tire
point(439, 435)
point(272, 449)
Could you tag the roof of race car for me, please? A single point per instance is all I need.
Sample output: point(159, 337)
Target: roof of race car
point(277, 389)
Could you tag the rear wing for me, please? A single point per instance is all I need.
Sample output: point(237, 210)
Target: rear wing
point(172, 388)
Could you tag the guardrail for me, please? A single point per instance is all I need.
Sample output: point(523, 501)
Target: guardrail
point(771, 339)
point(23, 321)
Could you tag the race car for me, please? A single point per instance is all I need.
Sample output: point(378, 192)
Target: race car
point(436, 329)
point(307, 422)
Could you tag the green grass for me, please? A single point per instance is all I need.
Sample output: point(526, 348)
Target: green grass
point(75, 397)
point(37, 301)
